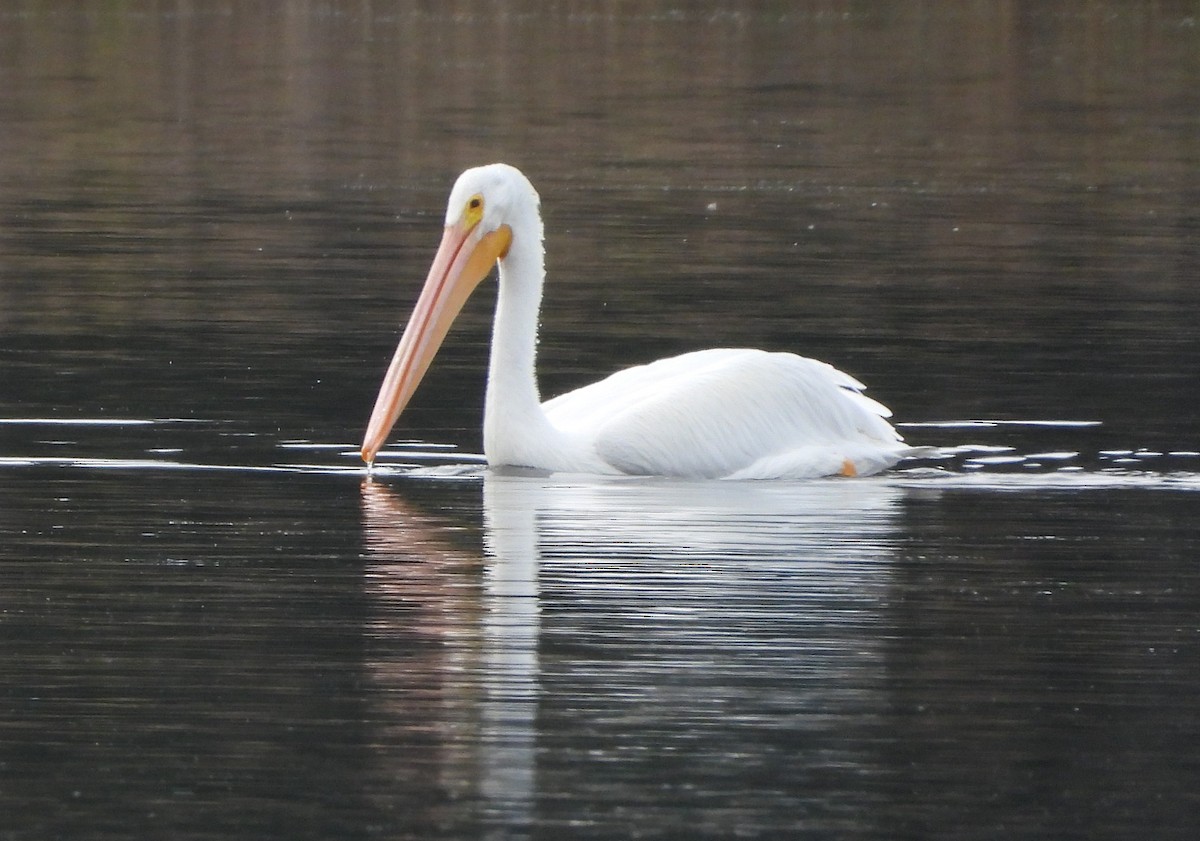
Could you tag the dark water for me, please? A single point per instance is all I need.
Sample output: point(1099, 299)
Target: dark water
point(213, 218)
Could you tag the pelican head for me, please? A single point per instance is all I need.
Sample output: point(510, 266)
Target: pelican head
point(486, 205)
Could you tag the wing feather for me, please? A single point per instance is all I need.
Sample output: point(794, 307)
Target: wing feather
point(717, 412)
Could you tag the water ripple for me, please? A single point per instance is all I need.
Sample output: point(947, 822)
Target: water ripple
point(1040, 456)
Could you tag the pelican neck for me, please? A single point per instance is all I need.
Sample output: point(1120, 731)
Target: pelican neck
point(514, 425)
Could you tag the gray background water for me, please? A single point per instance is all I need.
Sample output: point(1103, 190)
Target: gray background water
point(213, 219)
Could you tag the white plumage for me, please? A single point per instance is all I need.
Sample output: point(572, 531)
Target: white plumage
point(721, 413)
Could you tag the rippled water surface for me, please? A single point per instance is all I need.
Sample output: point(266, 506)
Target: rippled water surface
point(213, 219)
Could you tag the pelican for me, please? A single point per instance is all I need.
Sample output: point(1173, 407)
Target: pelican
point(724, 413)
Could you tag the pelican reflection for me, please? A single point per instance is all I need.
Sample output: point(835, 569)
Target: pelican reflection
point(668, 605)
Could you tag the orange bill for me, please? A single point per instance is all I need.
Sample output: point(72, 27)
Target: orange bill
point(461, 262)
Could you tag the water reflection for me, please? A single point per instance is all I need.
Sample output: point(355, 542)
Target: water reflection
point(771, 658)
point(211, 213)
point(647, 623)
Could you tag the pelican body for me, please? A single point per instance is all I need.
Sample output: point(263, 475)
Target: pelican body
point(727, 413)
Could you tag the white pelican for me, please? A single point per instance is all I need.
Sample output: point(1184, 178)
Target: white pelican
point(723, 413)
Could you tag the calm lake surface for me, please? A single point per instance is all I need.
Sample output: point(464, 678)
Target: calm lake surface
point(214, 219)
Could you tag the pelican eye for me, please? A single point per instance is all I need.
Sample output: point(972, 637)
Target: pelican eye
point(474, 210)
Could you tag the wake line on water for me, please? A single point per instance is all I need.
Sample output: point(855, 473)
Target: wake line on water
point(97, 421)
point(93, 463)
point(453, 467)
point(1077, 479)
point(979, 466)
point(985, 423)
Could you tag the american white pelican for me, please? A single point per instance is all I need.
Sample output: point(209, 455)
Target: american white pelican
point(722, 413)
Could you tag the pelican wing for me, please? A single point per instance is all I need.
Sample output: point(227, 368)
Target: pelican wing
point(730, 413)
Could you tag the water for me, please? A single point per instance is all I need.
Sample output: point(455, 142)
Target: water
point(212, 223)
